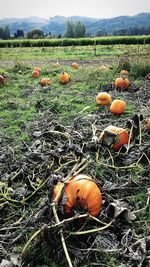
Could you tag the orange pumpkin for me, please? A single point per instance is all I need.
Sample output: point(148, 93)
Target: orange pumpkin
point(117, 107)
point(81, 193)
point(64, 78)
point(124, 73)
point(38, 69)
point(74, 65)
point(35, 73)
point(148, 124)
point(103, 99)
point(122, 83)
point(114, 136)
point(2, 80)
point(45, 81)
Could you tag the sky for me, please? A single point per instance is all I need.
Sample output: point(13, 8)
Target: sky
point(88, 8)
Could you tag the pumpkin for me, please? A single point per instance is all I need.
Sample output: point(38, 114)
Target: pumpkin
point(103, 99)
point(45, 81)
point(148, 124)
point(117, 107)
point(124, 73)
point(81, 193)
point(122, 83)
point(35, 73)
point(2, 80)
point(64, 78)
point(114, 136)
point(38, 69)
point(74, 65)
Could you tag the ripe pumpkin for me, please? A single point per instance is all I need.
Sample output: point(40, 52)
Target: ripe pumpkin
point(35, 73)
point(148, 124)
point(103, 99)
point(117, 107)
point(74, 65)
point(124, 73)
point(81, 193)
point(114, 136)
point(64, 78)
point(45, 81)
point(122, 83)
point(2, 80)
point(38, 69)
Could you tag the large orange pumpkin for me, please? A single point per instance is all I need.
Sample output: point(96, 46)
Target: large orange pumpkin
point(103, 99)
point(64, 78)
point(122, 83)
point(45, 81)
point(74, 65)
point(35, 73)
point(2, 80)
point(81, 193)
point(38, 69)
point(117, 107)
point(114, 136)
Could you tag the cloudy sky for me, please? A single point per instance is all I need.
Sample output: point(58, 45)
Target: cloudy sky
point(90, 8)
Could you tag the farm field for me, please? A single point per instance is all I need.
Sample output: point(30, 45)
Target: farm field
point(46, 131)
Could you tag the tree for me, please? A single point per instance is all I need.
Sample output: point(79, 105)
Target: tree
point(35, 34)
point(79, 29)
point(19, 33)
point(69, 30)
point(5, 33)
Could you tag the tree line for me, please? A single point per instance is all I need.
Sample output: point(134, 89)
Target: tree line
point(73, 30)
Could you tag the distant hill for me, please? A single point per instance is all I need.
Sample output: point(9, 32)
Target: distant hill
point(57, 24)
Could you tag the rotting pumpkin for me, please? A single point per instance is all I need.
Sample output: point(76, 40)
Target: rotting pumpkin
point(80, 194)
point(103, 99)
point(45, 81)
point(64, 78)
point(114, 136)
point(118, 107)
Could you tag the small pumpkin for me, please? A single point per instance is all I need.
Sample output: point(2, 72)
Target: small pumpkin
point(35, 74)
point(114, 136)
point(2, 80)
point(45, 81)
point(103, 99)
point(81, 193)
point(74, 65)
point(117, 107)
point(64, 78)
point(148, 124)
point(124, 73)
point(38, 69)
point(122, 83)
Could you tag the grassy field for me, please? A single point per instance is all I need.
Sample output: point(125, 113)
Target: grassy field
point(32, 159)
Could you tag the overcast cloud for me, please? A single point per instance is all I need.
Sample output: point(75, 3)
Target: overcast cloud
point(89, 8)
